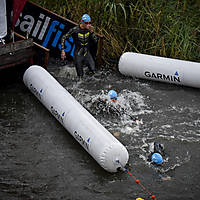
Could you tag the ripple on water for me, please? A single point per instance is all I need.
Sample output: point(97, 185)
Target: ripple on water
point(40, 160)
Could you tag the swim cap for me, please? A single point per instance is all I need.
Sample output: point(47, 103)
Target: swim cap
point(157, 158)
point(139, 199)
point(112, 94)
point(85, 18)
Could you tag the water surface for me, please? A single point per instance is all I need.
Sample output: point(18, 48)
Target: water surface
point(39, 159)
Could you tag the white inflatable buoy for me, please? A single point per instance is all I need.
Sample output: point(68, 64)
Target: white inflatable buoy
point(94, 138)
point(3, 19)
point(162, 69)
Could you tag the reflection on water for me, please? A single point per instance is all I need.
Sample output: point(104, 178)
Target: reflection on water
point(40, 160)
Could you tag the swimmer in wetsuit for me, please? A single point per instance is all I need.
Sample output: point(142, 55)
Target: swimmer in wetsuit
point(82, 35)
point(156, 156)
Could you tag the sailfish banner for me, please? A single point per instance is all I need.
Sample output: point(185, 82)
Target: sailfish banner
point(47, 28)
point(18, 6)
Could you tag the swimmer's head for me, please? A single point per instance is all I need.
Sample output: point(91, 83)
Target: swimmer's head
point(157, 159)
point(113, 95)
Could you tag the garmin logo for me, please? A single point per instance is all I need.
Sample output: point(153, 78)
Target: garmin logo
point(79, 138)
point(57, 115)
point(163, 77)
point(35, 91)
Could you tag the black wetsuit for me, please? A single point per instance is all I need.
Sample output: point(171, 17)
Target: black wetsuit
point(157, 148)
point(82, 55)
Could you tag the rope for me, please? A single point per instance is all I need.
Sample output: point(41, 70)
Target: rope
point(138, 182)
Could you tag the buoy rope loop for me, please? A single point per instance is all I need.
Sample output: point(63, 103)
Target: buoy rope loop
point(138, 182)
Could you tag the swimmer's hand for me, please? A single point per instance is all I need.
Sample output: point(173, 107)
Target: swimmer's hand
point(63, 56)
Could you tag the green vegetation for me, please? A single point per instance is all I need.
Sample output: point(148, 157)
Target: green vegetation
point(156, 27)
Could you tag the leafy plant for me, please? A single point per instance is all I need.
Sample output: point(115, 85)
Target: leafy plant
point(156, 27)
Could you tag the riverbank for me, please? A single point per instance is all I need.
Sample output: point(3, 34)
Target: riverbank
point(163, 28)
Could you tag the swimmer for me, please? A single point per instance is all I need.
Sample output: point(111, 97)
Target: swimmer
point(113, 95)
point(156, 157)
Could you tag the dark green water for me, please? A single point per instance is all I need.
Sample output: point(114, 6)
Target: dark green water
point(40, 160)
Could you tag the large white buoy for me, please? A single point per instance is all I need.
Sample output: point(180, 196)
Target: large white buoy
point(160, 69)
point(95, 139)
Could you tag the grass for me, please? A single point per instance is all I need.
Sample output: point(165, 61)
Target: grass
point(156, 27)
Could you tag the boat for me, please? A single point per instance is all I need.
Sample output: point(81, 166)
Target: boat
point(16, 53)
point(15, 49)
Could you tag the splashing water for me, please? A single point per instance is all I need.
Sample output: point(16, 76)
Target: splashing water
point(120, 118)
point(40, 161)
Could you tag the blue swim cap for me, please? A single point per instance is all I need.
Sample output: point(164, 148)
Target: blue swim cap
point(85, 18)
point(112, 94)
point(157, 158)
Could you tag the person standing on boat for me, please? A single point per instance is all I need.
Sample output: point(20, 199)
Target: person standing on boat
point(82, 35)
